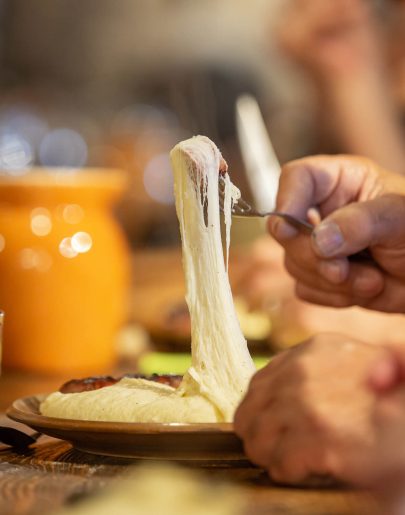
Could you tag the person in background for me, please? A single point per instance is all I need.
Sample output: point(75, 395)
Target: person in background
point(354, 52)
point(334, 404)
point(356, 63)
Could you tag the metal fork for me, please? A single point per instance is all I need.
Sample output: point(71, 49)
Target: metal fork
point(241, 208)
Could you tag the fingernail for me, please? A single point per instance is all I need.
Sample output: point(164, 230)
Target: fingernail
point(334, 271)
point(283, 230)
point(327, 238)
point(368, 285)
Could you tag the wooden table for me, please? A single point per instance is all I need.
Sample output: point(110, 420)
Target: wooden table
point(53, 473)
point(44, 478)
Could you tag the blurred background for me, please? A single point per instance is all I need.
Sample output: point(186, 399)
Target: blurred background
point(119, 83)
point(102, 83)
point(116, 84)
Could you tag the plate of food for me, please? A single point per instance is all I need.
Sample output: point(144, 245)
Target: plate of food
point(191, 418)
point(211, 443)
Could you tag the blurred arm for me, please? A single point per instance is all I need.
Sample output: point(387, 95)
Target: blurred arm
point(339, 42)
point(364, 114)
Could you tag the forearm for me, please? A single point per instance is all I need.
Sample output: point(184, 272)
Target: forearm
point(365, 119)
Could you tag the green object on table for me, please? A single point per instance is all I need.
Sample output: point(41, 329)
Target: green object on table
point(176, 363)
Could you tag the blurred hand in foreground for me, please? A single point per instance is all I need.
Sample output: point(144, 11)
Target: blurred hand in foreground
point(319, 409)
point(361, 206)
point(386, 380)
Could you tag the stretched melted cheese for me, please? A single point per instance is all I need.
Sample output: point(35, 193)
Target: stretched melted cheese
point(221, 364)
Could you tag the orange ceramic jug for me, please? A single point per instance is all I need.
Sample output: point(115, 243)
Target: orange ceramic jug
point(64, 270)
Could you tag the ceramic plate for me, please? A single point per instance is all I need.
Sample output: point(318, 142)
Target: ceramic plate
point(180, 442)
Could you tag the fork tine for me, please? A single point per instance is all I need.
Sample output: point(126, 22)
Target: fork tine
point(221, 183)
point(221, 202)
point(221, 192)
point(240, 207)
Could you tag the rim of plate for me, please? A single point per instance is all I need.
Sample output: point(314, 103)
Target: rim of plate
point(20, 411)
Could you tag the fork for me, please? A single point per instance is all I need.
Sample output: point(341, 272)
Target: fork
point(243, 209)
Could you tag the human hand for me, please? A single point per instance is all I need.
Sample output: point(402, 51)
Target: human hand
point(264, 284)
point(386, 380)
point(310, 412)
point(361, 206)
point(331, 37)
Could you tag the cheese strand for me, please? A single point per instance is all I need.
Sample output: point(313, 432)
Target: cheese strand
point(221, 363)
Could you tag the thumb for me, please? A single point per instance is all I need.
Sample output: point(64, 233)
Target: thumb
point(361, 225)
